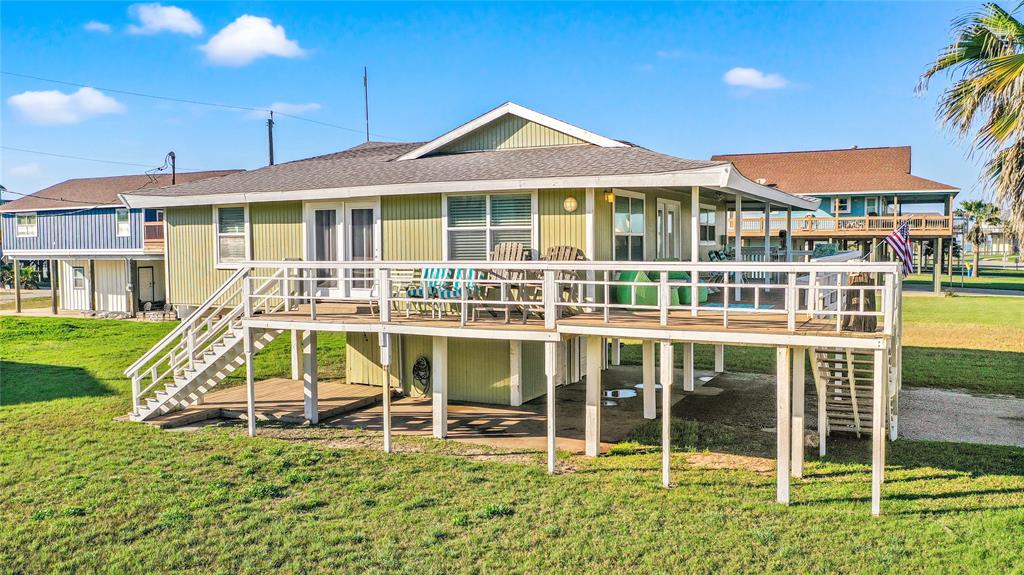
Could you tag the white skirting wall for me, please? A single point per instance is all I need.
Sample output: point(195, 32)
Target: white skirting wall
point(111, 279)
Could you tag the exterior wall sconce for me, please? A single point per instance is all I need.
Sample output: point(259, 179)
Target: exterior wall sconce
point(609, 196)
point(570, 204)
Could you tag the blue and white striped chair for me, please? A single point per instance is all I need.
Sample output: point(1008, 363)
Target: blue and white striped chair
point(464, 279)
point(431, 282)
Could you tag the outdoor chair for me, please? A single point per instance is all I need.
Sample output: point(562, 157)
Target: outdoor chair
point(564, 277)
point(464, 279)
point(505, 280)
point(430, 282)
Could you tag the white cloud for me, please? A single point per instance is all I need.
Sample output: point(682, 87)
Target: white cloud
point(248, 38)
point(287, 108)
point(669, 54)
point(94, 26)
point(29, 170)
point(754, 78)
point(156, 18)
point(55, 107)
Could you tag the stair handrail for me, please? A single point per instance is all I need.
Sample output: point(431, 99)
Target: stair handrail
point(191, 320)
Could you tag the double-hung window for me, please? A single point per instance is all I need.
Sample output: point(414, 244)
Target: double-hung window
point(707, 225)
point(841, 205)
point(78, 277)
point(232, 238)
point(123, 222)
point(477, 223)
point(629, 228)
point(26, 225)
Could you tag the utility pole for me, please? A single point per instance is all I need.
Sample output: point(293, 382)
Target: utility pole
point(174, 167)
point(366, 102)
point(270, 136)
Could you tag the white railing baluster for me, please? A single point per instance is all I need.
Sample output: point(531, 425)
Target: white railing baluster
point(664, 299)
point(607, 297)
point(791, 301)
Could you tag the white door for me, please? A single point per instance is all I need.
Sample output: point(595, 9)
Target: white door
point(361, 246)
point(147, 284)
point(325, 223)
point(668, 230)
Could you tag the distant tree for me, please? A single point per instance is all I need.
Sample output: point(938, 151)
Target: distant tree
point(28, 275)
point(986, 98)
point(977, 215)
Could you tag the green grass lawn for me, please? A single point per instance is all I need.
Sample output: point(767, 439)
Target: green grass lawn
point(990, 278)
point(27, 303)
point(973, 343)
point(82, 493)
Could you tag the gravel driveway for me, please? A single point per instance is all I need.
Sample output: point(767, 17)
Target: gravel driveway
point(942, 415)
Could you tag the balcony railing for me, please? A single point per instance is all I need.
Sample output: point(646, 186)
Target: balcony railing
point(845, 226)
point(153, 236)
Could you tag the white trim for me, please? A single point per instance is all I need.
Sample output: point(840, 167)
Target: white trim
point(835, 205)
point(643, 234)
point(713, 209)
point(217, 264)
point(56, 254)
point(127, 223)
point(678, 232)
point(487, 228)
point(74, 278)
point(508, 108)
point(75, 208)
point(34, 225)
point(946, 191)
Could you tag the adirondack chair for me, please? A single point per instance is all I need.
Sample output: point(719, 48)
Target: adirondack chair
point(564, 254)
point(506, 287)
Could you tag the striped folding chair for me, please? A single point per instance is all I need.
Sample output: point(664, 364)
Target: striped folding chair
point(431, 282)
point(463, 279)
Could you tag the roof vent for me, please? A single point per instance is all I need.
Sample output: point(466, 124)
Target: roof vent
point(762, 181)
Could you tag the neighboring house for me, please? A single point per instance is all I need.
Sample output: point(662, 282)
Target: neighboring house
point(864, 193)
point(109, 258)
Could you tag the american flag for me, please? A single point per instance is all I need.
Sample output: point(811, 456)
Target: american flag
point(899, 241)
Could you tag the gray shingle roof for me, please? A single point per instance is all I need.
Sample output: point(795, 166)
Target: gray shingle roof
point(373, 163)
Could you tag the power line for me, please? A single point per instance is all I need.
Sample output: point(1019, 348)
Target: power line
point(70, 157)
point(191, 101)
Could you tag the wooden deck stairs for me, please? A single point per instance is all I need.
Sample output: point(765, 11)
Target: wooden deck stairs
point(846, 376)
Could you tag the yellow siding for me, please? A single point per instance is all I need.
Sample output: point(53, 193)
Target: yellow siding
point(190, 258)
point(602, 226)
point(534, 380)
point(276, 230)
point(557, 227)
point(362, 360)
point(509, 132)
point(412, 348)
point(411, 227)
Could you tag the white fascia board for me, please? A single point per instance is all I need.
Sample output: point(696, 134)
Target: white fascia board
point(70, 206)
point(952, 191)
point(707, 177)
point(516, 110)
point(738, 182)
point(81, 254)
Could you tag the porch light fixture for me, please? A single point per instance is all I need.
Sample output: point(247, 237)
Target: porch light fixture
point(570, 204)
point(609, 196)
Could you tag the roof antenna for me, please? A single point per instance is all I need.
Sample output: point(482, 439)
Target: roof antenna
point(366, 102)
point(174, 168)
point(270, 136)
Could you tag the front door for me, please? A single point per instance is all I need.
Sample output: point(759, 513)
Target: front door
point(325, 246)
point(343, 232)
point(668, 230)
point(147, 284)
point(361, 246)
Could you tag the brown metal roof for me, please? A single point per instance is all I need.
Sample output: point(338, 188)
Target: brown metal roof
point(824, 171)
point(82, 192)
point(373, 163)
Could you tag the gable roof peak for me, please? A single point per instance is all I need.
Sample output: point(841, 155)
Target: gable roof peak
point(513, 109)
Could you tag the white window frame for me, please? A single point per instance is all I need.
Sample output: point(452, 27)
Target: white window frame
point(26, 230)
point(635, 195)
point(217, 263)
point(74, 278)
point(713, 209)
point(661, 206)
point(487, 227)
point(835, 204)
point(127, 231)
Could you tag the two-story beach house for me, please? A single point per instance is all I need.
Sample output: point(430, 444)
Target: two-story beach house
point(492, 264)
point(107, 257)
point(865, 193)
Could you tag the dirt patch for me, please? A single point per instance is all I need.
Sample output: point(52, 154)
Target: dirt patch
point(714, 460)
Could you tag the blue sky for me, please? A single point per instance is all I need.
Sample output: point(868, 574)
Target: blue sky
point(812, 76)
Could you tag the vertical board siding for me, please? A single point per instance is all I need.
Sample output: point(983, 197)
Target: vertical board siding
point(412, 348)
point(63, 230)
point(507, 133)
point(533, 372)
point(602, 226)
point(276, 230)
point(362, 359)
point(411, 227)
point(558, 227)
point(71, 298)
point(190, 255)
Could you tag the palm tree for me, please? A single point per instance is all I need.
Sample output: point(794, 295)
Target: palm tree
point(978, 214)
point(986, 99)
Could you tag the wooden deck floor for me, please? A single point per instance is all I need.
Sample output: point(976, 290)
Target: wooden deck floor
point(277, 399)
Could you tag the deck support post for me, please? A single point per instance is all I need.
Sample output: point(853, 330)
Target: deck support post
point(937, 268)
point(738, 232)
point(310, 398)
point(385, 361)
point(250, 384)
point(439, 385)
point(767, 239)
point(616, 351)
point(688, 375)
point(878, 430)
point(515, 372)
point(53, 287)
point(551, 371)
point(592, 442)
point(296, 340)
point(819, 387)
point(666, 412)
point(783, 425)
point(17, 286)
point(797, 455)
point(719, 358)
point(650, 397)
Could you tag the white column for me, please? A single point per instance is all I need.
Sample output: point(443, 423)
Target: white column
point(439, 385)
point(666, 412)
point(616, 352)
point(878, 431)
point(310, 395)
point(593, 397)
point(767, 235)
point(819, 386)
point(695, 224)
point(719, 358)
point(385, 362)
point(738, 232)
point(515, 371)
point(296, 340)
point(789, 234)
point(551, 361)
point(783, 426)
point(650, 399)
point(687, 367)
point(250, 384)
point(797, 455)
